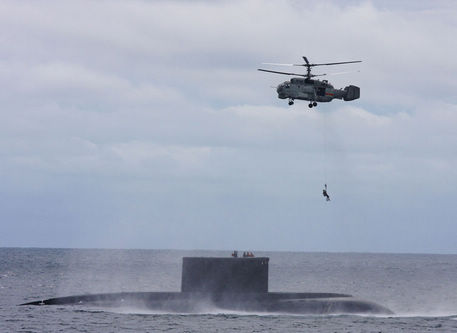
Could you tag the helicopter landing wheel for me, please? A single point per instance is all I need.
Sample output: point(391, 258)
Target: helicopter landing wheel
point(310, 105)
point(314, 104)
point(291, 102)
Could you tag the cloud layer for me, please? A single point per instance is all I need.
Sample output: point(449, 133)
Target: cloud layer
point(145, 124)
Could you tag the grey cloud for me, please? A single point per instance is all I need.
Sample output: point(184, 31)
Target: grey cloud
point(150, 118)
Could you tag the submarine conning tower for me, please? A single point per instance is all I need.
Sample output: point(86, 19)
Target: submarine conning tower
point(224, 275)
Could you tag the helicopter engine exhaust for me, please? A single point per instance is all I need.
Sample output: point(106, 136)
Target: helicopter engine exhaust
point(351, 93)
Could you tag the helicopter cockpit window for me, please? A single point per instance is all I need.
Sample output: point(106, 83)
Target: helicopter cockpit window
point(287, 86)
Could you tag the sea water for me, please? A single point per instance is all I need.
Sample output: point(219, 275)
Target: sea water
point(420, 288)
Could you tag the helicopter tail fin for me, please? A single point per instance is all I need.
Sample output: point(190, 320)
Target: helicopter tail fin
point(351, 93)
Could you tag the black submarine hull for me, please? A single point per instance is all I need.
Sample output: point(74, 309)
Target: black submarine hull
point(233, 284)
point(200, 302)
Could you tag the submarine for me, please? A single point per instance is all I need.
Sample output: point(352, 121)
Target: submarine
point(230, 284)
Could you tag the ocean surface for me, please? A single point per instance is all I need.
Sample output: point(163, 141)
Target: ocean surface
point(421, 289)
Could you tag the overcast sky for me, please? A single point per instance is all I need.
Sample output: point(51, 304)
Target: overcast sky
point(145, 124)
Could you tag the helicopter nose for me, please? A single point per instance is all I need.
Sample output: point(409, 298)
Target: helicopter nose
point(279, 89)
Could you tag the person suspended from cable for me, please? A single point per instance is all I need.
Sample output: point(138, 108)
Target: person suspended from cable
point(325, 194)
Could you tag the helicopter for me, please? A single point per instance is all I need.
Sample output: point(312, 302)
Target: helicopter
point(305, 88)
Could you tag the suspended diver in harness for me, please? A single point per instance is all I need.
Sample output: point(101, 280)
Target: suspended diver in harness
point(325, 194)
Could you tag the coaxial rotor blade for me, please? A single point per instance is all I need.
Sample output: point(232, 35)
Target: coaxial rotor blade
point(276, 64)
point(339, 73)
point(276, 72)
point(335, 63)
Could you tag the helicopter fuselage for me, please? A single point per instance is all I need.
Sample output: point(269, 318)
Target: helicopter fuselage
point(305, 88)
point(315, 90)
